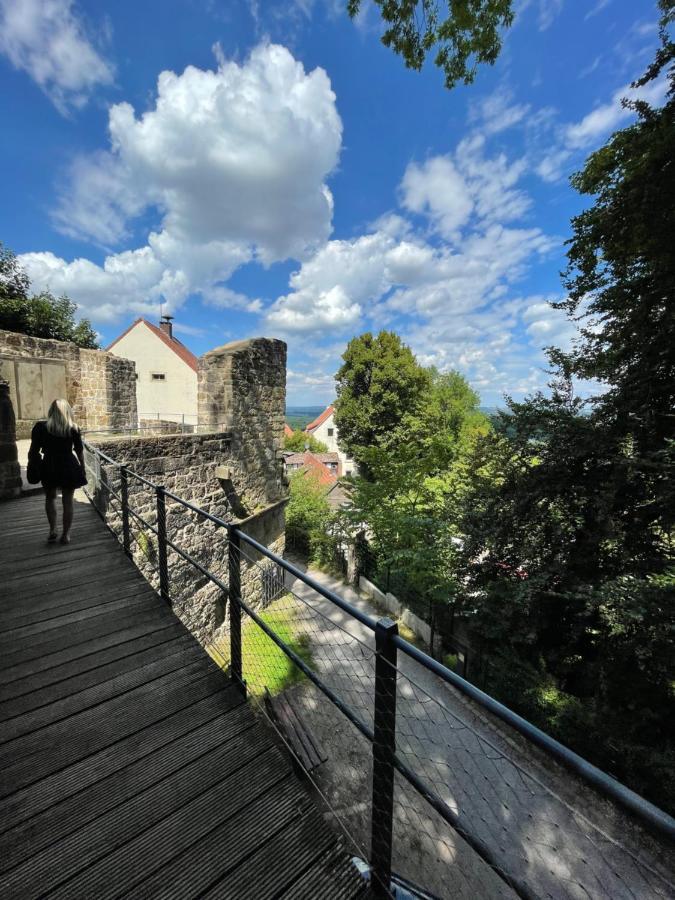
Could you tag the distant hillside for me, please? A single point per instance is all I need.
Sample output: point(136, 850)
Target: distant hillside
point(297, 417)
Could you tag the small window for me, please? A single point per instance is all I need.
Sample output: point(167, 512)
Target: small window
point(158, 376)
point(330, 432)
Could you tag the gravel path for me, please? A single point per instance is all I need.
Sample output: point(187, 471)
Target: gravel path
point(551, 834)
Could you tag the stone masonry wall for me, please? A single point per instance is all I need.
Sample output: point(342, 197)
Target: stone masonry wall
point(100, 387)
point(189, 466)
point(234, 473)
point(242, 388)
point(10, 471)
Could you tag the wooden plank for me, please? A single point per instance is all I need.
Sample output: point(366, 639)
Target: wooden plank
point(116, 615)
point(29, 837)
point(180, 711)
point(39, 667)
point(328, 877)
point(69, 672)
point(117, 873)
point(177, 654)
point(34, 756)
point(62, 698)
point(204, 864)
point(278, 861)
point(140, 600)
point(82, 849)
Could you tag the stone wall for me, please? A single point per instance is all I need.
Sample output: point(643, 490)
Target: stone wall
point(242, 388)
point(99, 386)
point(10, 471)
point(191, 467)
point(231, 468)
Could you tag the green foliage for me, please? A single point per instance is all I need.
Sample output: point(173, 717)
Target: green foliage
point(569, 530)
point(469, 35)
point(299, 439)
point(378, 385)
point(416, 477)
point(264, 664)
point(40, 315)
point(307, 513)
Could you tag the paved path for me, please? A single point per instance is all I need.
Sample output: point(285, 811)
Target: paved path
point(553, 835)
point(130, 766)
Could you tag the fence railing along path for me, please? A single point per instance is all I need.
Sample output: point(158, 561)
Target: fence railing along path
point(422, 789)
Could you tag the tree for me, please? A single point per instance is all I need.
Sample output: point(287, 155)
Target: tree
point(570, 541)
point(467, 36)
point(307, 513)
point(40, 315)
point(301, 440)
point(411, 499)
point(379, 383)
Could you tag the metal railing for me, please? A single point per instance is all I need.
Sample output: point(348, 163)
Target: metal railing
point(388, 704)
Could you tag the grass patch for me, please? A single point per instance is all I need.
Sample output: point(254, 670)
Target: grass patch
point(265, 665)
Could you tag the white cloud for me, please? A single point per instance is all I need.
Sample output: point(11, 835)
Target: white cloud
point(497, 112)
point(46, 39)
point(594, 127)
point(449, 190)
point(549, 10)
point(233, 161)
point(608, 116)
point(395, 270)
point(594, 10)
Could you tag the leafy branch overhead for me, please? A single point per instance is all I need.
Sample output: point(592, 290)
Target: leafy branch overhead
point(463, 33)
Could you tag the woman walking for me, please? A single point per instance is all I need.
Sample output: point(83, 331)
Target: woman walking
point(58, 439)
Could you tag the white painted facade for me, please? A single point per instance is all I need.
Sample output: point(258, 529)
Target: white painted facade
point(166, 386)
point(327, 433)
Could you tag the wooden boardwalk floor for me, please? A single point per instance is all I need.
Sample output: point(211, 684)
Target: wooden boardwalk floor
point(129, 764)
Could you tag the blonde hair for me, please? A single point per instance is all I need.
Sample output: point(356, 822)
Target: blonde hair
point(60, 420)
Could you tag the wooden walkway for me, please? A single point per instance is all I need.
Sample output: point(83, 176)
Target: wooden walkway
point(129, 764)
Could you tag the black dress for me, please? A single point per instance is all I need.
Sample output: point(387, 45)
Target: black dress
point(60, 468)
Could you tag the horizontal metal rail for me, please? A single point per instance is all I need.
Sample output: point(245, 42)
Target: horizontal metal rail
point(645, 811)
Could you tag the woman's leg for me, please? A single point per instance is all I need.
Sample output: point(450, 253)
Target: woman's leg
point(50, 509)
point(67, 498)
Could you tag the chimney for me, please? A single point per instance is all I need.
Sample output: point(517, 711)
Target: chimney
point(165, 325)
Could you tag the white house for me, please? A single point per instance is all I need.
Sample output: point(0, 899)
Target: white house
point(323, 429)
point(166, 371)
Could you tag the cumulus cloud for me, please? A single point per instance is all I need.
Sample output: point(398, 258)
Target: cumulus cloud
point(47, 39)
point(398, 270)
point(452, 189)
point(234, 162)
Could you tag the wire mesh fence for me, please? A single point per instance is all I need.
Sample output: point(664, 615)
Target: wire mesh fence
point(407, 765)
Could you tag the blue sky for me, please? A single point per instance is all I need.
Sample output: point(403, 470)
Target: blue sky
point(268, 167)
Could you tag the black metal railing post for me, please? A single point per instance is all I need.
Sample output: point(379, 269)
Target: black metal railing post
point(124, 491)
point(161, 544)
point(234, 572)
point(384, 750)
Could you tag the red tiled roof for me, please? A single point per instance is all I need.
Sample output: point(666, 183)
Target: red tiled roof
point(320, 419)
point(179, 349)
point(288, 431)
point(314, 467)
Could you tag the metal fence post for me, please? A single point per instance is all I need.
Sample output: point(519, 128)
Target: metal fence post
point(124, 488)
point(384, 748)
point(161, 545)
point(234, 572)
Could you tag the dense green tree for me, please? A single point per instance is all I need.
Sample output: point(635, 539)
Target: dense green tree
point(307, 514)
point(570, 538)
point(379, 383)
point(301, 440)
point(40, 315)
point(463, 35)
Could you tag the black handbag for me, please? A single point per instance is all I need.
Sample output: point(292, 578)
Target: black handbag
point(34, 470)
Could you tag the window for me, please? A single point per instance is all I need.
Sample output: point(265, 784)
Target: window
point(330, 432)
point(158, 376)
